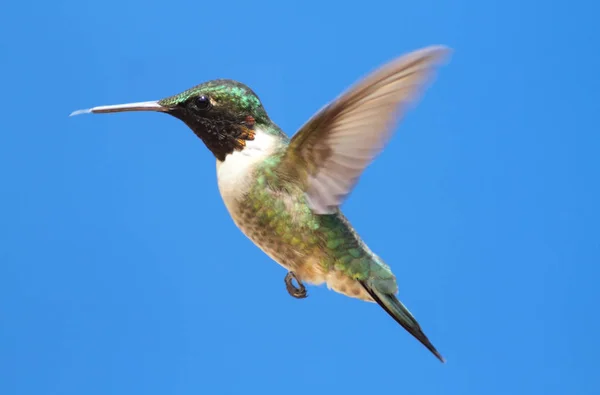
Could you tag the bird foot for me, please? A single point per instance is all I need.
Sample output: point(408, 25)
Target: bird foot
point(297, 292)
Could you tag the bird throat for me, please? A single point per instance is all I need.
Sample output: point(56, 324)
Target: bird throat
point(222, 137)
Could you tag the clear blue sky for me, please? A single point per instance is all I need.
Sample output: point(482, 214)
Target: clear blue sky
point(122, 273)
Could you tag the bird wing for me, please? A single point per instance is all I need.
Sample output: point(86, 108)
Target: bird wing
point(329, 153)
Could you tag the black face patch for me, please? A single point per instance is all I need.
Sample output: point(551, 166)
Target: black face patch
point(221, 129)
point(220, 112)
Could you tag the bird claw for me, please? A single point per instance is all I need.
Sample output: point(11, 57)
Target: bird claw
point(297, 292)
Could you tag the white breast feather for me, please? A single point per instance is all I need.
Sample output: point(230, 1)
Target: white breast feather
point(233, 174)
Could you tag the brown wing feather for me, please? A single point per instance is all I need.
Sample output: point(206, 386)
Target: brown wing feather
point(330, 152)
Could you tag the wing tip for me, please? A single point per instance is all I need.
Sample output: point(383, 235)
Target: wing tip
point(439, 53)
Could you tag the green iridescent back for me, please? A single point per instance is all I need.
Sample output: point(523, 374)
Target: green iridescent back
point(276, 216)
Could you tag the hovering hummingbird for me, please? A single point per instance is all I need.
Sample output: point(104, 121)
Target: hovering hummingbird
point(285, 194)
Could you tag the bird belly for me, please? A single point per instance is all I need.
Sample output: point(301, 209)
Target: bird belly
point(280, 223)
point(309, 261)
point(342, 283)
point(293, 250)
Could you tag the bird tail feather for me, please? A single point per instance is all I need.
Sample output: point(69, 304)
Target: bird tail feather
point(401, 315)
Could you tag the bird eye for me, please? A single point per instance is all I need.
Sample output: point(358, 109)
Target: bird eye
point(203, 102)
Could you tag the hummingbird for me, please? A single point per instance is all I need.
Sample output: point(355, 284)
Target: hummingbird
point(285, 194)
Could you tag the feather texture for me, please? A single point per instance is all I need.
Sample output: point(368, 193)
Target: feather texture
point(330, 152)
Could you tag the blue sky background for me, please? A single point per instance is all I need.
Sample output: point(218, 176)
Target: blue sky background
point(122, 273)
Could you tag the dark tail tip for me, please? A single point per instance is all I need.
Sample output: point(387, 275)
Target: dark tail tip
point(402, 316)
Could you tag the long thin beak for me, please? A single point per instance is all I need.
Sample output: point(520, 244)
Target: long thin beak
point(141, 106)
